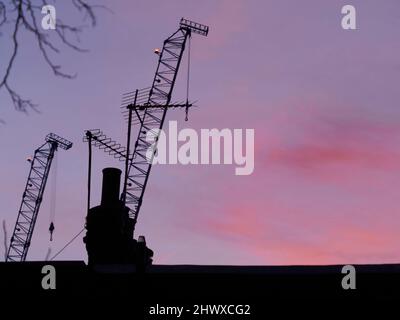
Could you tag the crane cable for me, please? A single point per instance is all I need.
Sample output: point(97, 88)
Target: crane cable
point(88, 201)
point(68, 243)
point(53, 197)
point(188, 81)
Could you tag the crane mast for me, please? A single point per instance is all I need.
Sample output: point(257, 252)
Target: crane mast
point(149, 106)
point(151, 114)
point(32, 196)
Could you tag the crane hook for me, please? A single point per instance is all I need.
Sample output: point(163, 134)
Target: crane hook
point(187, 111)
point(51, 229)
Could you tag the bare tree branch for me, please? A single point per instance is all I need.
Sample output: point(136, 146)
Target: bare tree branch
point(87, 9)
point(3, 17)
point(63, 29)
point(23, 13)
point(43, 42)
point(19, 103)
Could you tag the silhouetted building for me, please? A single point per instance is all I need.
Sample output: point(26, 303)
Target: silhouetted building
point(109, 237)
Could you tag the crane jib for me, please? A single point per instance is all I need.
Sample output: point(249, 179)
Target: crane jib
point(32, 197)
point(152, 119)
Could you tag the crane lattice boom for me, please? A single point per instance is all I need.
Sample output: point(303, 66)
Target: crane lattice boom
point(151, 116)
point(32, 196)
point(150, 106)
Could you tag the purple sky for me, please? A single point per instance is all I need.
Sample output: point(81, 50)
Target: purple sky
point(323, 102)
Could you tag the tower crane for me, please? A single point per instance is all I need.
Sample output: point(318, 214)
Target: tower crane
point(32, 197)
point(149, 107)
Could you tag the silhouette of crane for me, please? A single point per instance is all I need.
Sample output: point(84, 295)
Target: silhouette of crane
point(32, 197)
point(149, 106)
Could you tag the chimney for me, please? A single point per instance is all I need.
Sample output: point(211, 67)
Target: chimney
point(111, 185)
point(109, 229)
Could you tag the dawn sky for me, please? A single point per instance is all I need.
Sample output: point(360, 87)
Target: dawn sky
point(323, 102)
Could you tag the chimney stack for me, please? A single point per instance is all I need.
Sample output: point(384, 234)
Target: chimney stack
point(109, 236)
point(111, 186)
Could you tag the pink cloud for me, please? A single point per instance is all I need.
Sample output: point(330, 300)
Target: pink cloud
point(338, 207)
point(317, 156)
point(313, 138)
point(237, 221)
point(268, 235)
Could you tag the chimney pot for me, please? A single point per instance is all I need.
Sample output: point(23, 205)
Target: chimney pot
point(111, 186)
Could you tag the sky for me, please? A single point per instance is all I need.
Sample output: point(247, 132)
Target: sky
point(323, 102)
